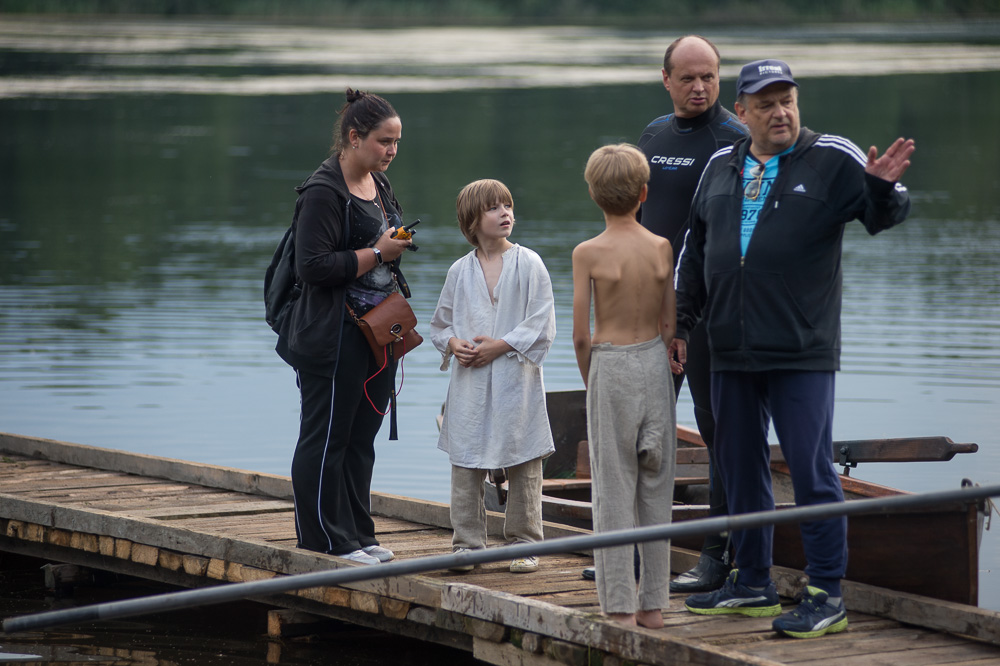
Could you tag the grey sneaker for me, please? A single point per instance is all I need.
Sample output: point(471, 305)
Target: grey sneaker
point(380, 553)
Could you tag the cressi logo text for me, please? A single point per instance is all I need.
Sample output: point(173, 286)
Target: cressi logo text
point(671, 161)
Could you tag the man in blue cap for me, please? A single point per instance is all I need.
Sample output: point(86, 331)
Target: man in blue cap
point(762, 262)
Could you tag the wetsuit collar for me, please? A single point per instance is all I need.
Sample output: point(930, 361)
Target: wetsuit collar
point(685, 125)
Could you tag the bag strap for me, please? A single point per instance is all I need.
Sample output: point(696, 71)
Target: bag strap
point(388, 350)
point(350, 311)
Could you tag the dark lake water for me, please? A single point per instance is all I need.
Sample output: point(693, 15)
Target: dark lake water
point(136, 221)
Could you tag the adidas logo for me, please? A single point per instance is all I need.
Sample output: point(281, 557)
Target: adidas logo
point(800, 188)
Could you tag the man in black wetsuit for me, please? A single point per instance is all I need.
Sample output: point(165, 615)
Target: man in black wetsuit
point(678, 146)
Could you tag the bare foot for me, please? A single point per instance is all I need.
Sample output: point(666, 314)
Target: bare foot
point(651, 619)
point(624, 618)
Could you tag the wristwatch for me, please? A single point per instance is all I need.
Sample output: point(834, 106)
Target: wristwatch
point(378, 256)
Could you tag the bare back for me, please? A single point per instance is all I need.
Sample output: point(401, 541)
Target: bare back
point(631, 276)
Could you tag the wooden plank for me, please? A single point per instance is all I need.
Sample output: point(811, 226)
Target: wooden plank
point(242, 508)
point(978, 623)
point(271, 525)
point(63, 538)
point(195, 565)
point(395, 608)
point(96, 561)
point(919, 657)
point(171, 560)
point(640, 644)
point(366, 602)
point(421, 623)
point(134, 463)
point(862, 641)
point(505, 654)
point(149, 497)
point(145, 533)
point(64, 487)
point(123, 549)
point(95, 521)
point(143, 554)
point(293, 624)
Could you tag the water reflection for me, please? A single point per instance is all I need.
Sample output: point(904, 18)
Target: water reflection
point(219, 635)
point(202, 57)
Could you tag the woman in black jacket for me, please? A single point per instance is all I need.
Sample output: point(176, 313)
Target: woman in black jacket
point(344, 255)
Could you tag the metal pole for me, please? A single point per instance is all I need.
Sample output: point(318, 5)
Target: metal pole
point(353, 574)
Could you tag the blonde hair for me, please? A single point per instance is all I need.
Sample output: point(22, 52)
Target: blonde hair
point(474, 199)
point(616, 175)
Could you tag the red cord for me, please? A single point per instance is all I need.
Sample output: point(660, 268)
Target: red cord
point(385, 362)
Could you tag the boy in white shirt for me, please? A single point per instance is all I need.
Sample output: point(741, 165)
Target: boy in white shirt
point(496, 316)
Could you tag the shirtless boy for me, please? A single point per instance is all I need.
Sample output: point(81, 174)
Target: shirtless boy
point(628, 273)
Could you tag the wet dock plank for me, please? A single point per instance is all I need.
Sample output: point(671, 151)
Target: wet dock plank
point(195, 525)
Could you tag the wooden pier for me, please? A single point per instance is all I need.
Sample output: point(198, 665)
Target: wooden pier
point(193, 525)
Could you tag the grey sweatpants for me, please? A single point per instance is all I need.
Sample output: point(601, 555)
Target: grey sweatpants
point(633, 442)
point(523, 514)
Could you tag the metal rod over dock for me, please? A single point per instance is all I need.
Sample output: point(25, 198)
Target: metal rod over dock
point(199, 525)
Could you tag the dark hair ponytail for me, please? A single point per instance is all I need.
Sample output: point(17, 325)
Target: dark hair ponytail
point(362, 113)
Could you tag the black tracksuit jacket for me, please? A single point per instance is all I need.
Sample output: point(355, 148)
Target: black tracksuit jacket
point(309, 337)
point(778, 307)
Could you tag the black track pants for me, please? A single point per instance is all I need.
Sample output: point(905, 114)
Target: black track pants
point(335, 455)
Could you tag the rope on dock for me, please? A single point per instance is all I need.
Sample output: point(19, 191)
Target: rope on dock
point(356, 573)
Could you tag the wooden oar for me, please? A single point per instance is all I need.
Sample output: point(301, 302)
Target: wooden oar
point(850, 452)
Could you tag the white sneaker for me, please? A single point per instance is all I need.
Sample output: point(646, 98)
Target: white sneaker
point(524, 564)
point(380, 553)
point(359, 556)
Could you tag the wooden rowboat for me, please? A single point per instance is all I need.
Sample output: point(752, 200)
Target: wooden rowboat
point(933, 552)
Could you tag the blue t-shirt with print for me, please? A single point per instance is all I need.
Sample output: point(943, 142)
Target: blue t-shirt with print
point(752, 207)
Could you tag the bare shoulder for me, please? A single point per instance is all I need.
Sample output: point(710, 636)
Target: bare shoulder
point(653, 245)
point(666, 248)
point(659, 242)
point(587, 249)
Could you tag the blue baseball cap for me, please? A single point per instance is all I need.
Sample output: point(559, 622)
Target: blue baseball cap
point(757, 75)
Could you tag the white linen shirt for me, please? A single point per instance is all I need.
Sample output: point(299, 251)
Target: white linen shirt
point(495, 416)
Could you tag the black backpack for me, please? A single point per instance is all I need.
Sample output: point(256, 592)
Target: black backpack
point(281, 286)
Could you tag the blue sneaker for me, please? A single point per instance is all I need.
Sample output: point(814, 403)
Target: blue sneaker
point(733, 597)
point(814, 616)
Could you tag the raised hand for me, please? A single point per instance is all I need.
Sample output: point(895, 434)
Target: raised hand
point(894, 163)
